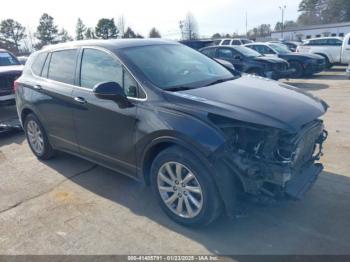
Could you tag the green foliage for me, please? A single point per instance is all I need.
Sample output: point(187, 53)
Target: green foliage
point(154, 33)
point(323, 11)
point(11, 33)
point(106, 29)
point(89, 33)
point(80, 30)
point(216, 35)
point(46, 31)
point(262, 30)
point(63, 36)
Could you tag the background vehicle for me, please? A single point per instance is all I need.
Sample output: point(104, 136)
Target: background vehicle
point(249, 61)
point(197, 44)
point(334, 49)
point(199, 135)
point(348, 71)
point(235, 41)
point(303, 64)
point(292, 45)
point(22, 59)
point(10, 70)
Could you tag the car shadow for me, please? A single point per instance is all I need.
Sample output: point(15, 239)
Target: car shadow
point(318, 224)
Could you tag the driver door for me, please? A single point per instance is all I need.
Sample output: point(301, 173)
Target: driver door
point(105, 132)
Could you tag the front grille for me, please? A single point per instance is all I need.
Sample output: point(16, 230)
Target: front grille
point(6, 82)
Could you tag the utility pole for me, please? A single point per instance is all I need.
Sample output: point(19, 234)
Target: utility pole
point(181, 24)
point(246, 24)
point(283, 8)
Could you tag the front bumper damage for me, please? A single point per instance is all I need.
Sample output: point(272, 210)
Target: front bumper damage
point(267, 177)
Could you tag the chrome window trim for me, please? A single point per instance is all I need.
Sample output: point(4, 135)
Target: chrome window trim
point(85, 88)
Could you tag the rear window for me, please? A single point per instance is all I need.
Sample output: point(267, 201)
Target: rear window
point(226, 42)
point(62, 66)
point(6, 59)
point(38, 63)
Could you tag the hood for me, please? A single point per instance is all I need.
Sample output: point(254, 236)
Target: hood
point(15, 69)
point(255, 100)
point(269, 59)
point(307, 56)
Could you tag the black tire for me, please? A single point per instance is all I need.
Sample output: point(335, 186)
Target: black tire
point(298, 67)
point(211, 207)
point(47, 152)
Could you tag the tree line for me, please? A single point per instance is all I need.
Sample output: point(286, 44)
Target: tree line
point(312, 12)
point(15, 37)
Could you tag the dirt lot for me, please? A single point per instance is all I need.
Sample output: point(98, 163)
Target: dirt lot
point(70, 206)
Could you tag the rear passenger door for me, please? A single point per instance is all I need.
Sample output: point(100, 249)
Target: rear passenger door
point(54, 97)
point(105, 131)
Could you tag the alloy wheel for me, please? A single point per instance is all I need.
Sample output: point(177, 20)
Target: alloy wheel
point(180, 189)
point(35, 137)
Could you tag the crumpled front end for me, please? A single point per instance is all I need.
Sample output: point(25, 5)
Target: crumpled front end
point(268, 161)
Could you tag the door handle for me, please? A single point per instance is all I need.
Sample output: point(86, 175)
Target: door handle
point(37, 87)
point(80, 100)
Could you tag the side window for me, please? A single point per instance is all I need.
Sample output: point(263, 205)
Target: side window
point(62, 66)
point(225, 53)
point(97, 66)
point(38, 63)
point(334, 42)
point(341, 34)
point(226, 42)
point(236, 42)
point(209, 52)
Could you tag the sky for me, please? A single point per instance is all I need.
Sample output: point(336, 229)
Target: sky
point(223, 16)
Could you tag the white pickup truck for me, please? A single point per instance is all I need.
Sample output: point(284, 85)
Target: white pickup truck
point(334, 49)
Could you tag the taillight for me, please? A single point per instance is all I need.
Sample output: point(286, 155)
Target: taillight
point(15, 85)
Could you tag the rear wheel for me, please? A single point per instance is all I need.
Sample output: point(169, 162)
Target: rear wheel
point(184, 188)
point(37, 138)
point(298, 69)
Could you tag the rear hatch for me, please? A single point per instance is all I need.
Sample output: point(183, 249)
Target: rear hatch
point(8, 74)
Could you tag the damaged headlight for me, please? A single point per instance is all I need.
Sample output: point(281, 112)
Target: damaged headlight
point(246, 138)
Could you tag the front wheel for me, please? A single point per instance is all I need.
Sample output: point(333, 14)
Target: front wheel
point(298, 69)
point(184, 188)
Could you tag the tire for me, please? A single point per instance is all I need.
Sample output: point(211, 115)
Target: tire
point(299, 70)
point(206, 206)
point(37, 138)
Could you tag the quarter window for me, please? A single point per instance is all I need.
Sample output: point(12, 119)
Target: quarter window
point(97, 66)
point(38, 63)
point(62, 66)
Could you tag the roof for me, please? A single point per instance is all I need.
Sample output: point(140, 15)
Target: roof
point(111, 44)
point(311, 27)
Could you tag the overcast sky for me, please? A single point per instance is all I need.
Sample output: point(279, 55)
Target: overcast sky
point(223, 16)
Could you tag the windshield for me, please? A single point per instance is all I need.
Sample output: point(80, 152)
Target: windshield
point(171, 66)
point(248, 52)
point(6, 59)
point(281, 49)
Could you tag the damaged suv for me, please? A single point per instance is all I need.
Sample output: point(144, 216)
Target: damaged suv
point(169, 116)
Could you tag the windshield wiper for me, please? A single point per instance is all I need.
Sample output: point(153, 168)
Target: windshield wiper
point(221, 81)
point(178, 88)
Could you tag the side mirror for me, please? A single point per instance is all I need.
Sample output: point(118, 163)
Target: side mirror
point(111, 91)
